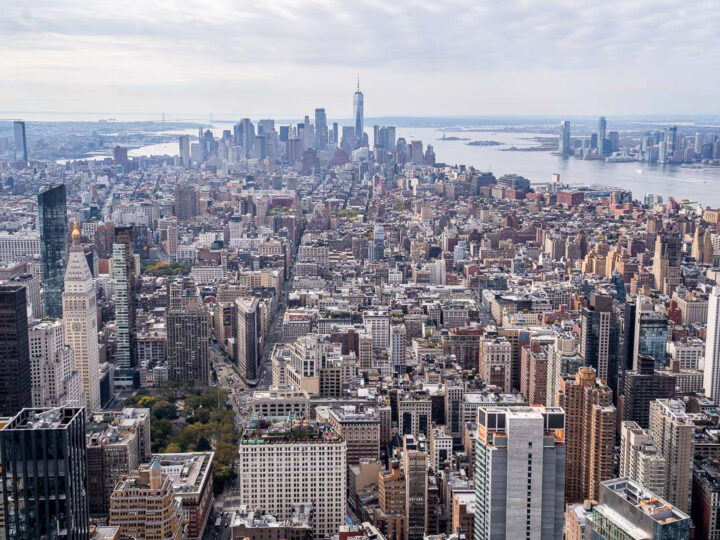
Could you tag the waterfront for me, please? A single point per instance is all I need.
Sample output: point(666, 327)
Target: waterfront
point(700, 185)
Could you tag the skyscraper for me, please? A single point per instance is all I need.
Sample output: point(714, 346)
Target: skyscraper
point(44, 474)
point(711, 376)
point(651, 333)
point(80, 317)
point(414, 461)
point(640, 458)
point(184, 150)
point(565, 148)
point(673, 432)
point(359, 114)
point(15, 380)
point(124, 287)
point(667, 261)
point(641, 387)
point(247, 320)
point(188, 331)
point(598, 340)
point(589, 434)
point(520, 473)
point(52, 218)
point(120, 156)
point(21, 153)
point(601, 135)
point(55, 380)
point(321, 129)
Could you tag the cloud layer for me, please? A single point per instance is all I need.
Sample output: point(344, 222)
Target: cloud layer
point(285, 57)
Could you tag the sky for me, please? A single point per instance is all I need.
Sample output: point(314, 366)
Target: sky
point(283, 58)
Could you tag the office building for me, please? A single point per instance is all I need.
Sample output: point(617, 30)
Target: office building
point(391, 501)
point(186, 202)
point(21, 153)
point(651, 333)
point(520, 473)
point(52, 220)
point(321, 129)
point(188, 332)
point(414, 462)
point(673, 433)
point(564, 144)
point(247, 319)
point(120, 157)
point(667, 261)
point(378, 325)
point(80, 318)
point(359, 115)
point(112, 453)
point(598, 339)
point(191, 476)
point(361, 431)
point(143, 505)
point(414, 415)
point(628, 510)
point(55, 380)
point(496, 362)
point(15, 375)
point(184, 149)
point(44, 474)
point(124, 297)
point(706, 499)
point(296, 463)
point(279, 402)
point(601, 136)
point(711, 374)
point(640, 459)
point(398, 347)
point(641, 387)
point(589, 433)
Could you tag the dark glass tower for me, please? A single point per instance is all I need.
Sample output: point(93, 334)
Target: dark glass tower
point(52, 209)
point(44, 474)
point(14, 350)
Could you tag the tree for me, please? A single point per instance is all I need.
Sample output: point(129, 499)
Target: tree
point(173, 448)
point(203, 445)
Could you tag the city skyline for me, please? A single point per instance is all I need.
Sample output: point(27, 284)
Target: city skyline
point(566, 59)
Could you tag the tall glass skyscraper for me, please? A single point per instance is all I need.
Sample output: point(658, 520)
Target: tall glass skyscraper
point(52, 209)
point(358, 113)
point(21, 153)
point(15, 380)
point(44, 474)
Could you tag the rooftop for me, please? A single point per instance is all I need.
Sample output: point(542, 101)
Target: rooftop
point(188, 471)
point(56, 418)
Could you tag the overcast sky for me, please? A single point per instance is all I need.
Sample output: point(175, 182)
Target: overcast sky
point(427, 57)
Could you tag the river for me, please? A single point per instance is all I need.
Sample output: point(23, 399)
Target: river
point(700, 185)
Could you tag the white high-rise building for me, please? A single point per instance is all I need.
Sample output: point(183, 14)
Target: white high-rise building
point(640, 459)
point(711, 377)
point(295, 467)
point(520, 473)
point(80, 317)
point(398, 346)
point(54, 378)
point(378, 324)
point(673, 432)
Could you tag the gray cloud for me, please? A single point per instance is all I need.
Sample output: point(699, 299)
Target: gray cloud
point(518, 55)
